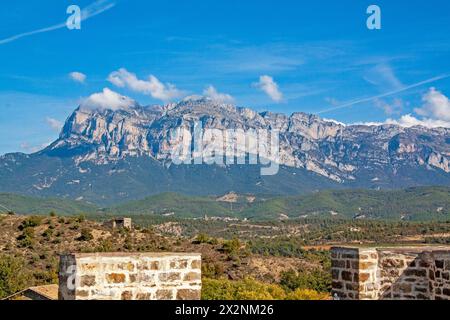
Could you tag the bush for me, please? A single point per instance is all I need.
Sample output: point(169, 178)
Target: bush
point(203, 238)
point(81, 218)
point(13, 277)
point(105, 246)
point(250, 289)
point(278, 248)
point(232, 247)
point(307, 294)
point(31, 222)
point(86, 235)
point(213, 269)
point(26, 239)
point(247, 289)
point(47, 234)
point(316, 279)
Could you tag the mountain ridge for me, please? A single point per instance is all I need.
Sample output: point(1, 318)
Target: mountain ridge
point(108, 156)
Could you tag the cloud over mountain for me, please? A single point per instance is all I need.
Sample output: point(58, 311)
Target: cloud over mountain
point(153, 86)
point(270, 87)
point(436, 106)
point(107, 99)
point(212, 93)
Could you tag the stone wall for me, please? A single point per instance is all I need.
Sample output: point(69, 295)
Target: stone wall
point(130, 276)
point(419, 273)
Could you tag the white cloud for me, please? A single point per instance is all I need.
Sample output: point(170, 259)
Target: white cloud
point(54, 124)
point(77, 76)
point(90, 11)
point(107, 99)
point(436, 106)
point(395, 107)
point(434, 113)
point(270, 87)
point(212, 93)
point(158, 90)
point(383, 95)
point(334, 121)
point(409, 120)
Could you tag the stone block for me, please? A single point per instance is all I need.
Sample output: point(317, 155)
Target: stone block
point(87, 281)
point(164, 294)
point(115, 277)
point(169, 276)
point(188, 294)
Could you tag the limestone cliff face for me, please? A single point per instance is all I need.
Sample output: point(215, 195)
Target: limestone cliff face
point(329, 149)
point(107, 156)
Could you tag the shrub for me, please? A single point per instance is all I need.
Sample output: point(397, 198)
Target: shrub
point(105, 246)
point(26, 239)
point(212, 269)
point(31, 222)
point(247, 289)
point(13, 277)
point(128, 244)
point(75, 226)
point(201, 238)
point(316, 279)
point(81, 218)
point(86, 235)
point(278, 248)
point(250, 289)
point(232, 247)
point(307, 294)
point(204, 238)
point(47, 233)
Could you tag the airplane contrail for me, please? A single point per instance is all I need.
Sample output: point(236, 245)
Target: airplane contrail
point(390, 93)
point(90, 11)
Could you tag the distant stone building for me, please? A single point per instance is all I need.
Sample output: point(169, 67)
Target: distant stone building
point(118, 223)
point(400, 273)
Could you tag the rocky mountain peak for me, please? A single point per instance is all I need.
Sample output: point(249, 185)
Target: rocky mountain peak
point(126, 149)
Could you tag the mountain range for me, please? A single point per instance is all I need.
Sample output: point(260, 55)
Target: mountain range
point(110, 155)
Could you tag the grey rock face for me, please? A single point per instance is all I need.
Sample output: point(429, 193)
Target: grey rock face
point(107, 156)
point(329, 149)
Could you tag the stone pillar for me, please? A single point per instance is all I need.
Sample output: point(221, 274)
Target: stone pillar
point(401, 273)
point(354, 273)
point(130, 276)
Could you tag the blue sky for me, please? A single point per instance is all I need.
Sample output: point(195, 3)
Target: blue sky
point(319, 54)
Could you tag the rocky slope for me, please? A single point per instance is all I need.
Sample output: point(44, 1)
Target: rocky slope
point(107, 156)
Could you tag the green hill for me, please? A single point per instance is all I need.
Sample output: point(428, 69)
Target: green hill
point(29, 205)
point(172, 204)
point(421, 203)
point(413, 204)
